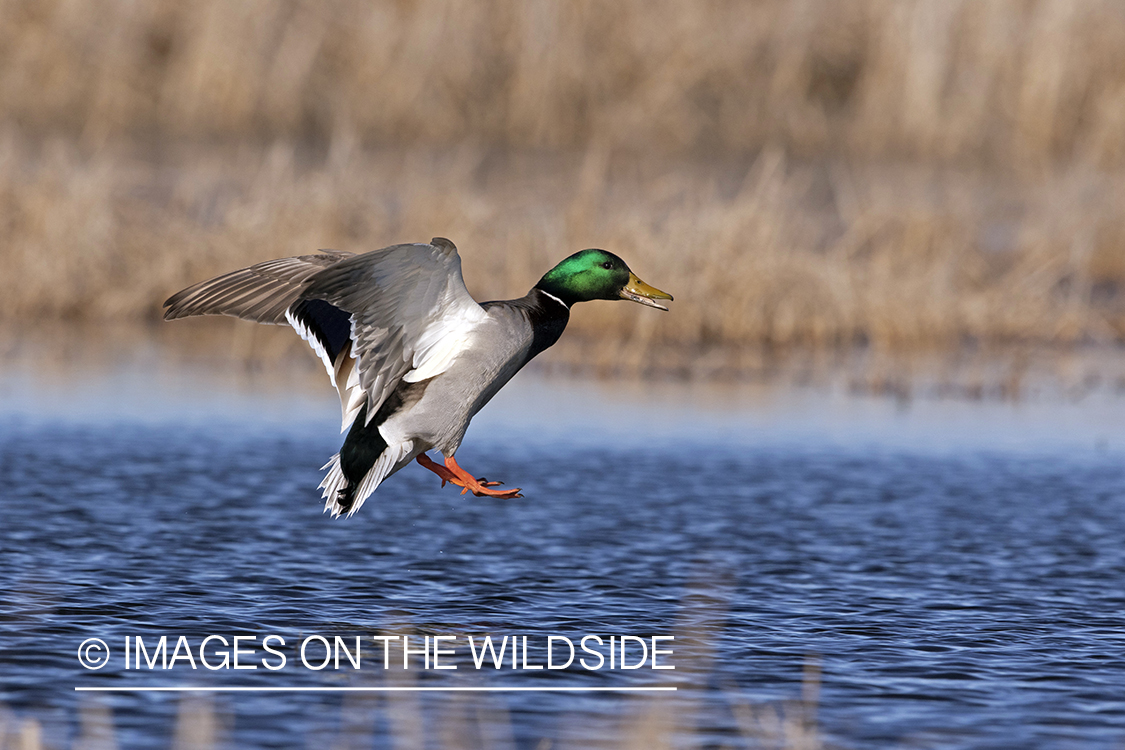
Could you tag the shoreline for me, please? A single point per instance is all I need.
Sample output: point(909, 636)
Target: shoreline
point(274, 358)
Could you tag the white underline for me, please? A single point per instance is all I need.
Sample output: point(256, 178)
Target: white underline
point(556, 299)
point(290, 689)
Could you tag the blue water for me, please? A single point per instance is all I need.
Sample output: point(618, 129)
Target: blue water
point(953, 590)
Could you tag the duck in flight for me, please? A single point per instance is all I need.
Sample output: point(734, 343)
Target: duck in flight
point(413, 356)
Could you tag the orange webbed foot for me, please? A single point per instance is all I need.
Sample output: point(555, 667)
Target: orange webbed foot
point(451, 472)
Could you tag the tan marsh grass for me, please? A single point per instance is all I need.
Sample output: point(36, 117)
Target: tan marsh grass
point(763, 251)
point(908, 175)
point(1011, 82)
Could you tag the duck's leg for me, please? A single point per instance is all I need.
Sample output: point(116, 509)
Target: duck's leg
point(478, 487)
point(445, 474)
point(451, 472)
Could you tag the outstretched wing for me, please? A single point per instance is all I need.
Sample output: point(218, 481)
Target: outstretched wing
point(264, 292)
point(411, 314)
point(375, 319)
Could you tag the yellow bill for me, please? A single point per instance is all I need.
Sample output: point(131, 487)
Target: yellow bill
point(638, 291)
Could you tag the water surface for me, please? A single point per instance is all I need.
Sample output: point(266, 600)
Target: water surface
point(955, 571)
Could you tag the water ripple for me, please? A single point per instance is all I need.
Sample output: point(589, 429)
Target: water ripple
point(960, 600)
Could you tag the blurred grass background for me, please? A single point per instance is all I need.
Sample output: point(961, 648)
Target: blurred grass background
point(901, 175)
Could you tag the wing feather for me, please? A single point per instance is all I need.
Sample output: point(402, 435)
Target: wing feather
point(262, 293)
point(411, 312)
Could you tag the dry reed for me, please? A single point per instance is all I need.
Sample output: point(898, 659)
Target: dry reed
point(1007, 81)
point(456, 723)
point(468, 721)
point(764, 251)
point(739, 155)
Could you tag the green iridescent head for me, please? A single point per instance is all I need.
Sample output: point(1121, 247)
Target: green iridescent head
point(597, 274)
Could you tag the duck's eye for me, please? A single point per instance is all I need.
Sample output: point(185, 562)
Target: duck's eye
point(607, 265)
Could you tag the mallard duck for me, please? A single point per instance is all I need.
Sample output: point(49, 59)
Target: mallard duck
point(413, 356)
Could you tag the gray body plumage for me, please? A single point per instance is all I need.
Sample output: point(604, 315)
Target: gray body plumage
point(498, 349)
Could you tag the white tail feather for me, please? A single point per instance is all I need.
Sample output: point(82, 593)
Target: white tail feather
point(332, 483)
point(335, 481)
